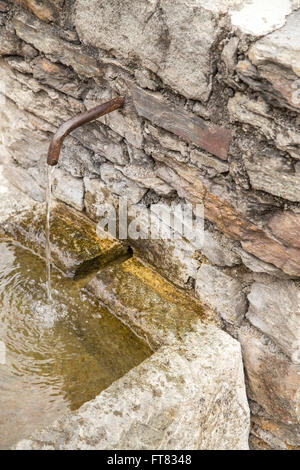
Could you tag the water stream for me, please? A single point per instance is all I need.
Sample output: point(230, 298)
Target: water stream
point(50, 171)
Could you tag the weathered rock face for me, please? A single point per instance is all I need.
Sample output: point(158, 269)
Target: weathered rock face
point(273, 380)
point(277, 59)
point(211, 117)
point(275, 310)
point(222, 292)
point(176, 385)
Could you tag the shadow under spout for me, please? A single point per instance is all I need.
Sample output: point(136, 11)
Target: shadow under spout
point(89, 269)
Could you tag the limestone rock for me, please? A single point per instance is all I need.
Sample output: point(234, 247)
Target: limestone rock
point(68, 189)
point(260, 17)
point(12, 199)
point(200, 159)
point(159, 312)
point(147, 178)
point(173, 256)
point(256, 113)
point(273, 174)
point(225, 209)
point(173, 39)
point(166, 139)
point(77, 160)
point(43, 102)
point(277, 57)
point(117, 183)
point(187, 396)
point(275, 310)
point(95, 137)
point(222, 293)
point(57, 76)
point(219, 250)
point(21, 137)
point(273, 380)
point(96, 195)
point(20, 178)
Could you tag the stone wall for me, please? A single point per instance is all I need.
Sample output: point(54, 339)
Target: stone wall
point(211, 116)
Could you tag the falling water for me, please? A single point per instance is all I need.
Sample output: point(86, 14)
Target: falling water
point(48, 246)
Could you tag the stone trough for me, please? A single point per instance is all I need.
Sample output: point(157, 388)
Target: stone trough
point(189, 394)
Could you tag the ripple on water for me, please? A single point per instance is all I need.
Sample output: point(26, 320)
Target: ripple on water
point(56, 356)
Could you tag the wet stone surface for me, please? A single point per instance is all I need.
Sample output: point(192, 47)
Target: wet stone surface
point(74, 240)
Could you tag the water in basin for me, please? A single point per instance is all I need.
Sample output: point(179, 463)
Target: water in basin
point(54, 357)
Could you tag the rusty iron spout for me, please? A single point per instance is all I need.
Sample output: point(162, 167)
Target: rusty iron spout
point(77, 121)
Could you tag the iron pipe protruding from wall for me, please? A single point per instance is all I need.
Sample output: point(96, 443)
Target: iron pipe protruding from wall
point(77, 121)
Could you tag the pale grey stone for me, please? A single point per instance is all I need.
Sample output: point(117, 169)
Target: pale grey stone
point(21, 138)
point(43, 102)
point(229, 54)
point(147, 178)
point(273, 174)
point(186, 30)
point(96, 196)
point(12, 200)
point(281, 47)
point(187, 396)
point(68, 189)
point(139, 157)
point(274, 381)
point(176, 257)
point(94, 137)
point(275, 310)
point(200, 159)
point(260, 17)
point(119, 184)
point(144, 79)
point(219, 250)
point(257, 113)
point(223, 293)
point(26, 183)
point(127, 126)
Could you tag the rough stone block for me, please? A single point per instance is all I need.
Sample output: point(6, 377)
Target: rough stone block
point(257, 113)
point(68, 189)
point(275, 310)
point(273, 174)
point(273, 380)
point(277, 57)
point(158, 311)
point(187, 396)
point(223, 293)
point(119, 184)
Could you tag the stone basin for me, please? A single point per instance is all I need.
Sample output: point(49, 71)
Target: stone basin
point(188, 394)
